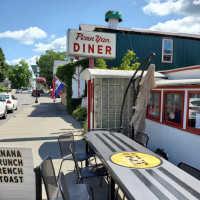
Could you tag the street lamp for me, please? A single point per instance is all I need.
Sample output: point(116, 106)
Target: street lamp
point(36, 74)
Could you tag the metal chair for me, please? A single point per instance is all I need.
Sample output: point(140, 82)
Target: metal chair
point(75, 192)
point(49, 179)
point(161, 153)
point(64, 142)
point(142, 138)
point(88, 171)
point(190, 170)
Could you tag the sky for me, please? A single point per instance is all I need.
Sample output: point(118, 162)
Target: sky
point(30, 27)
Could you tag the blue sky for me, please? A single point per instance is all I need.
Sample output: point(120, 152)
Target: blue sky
point(28, 28)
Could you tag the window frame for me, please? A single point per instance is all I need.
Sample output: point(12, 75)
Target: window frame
point(163, 41)
point(188, 128)
point(150, 116)
point(176, 125)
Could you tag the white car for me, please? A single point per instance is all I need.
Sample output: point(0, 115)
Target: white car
point(11, 102)
point(3, 108)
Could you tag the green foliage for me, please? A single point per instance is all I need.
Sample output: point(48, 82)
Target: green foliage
point(46, 62)
point(80, 113)
point(130, 57)
point(65, 73)
point(20, 75)
point(129, 61)
point(2, 88)
point(2, 66)
point(100, 64)
point(85, 128)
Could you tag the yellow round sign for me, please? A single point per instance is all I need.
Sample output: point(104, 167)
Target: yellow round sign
point(135, 160)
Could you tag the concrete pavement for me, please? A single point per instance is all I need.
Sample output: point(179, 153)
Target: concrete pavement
point(38, 127)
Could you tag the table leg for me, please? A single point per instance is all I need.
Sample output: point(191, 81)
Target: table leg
point(86, 150)
point(112, 188)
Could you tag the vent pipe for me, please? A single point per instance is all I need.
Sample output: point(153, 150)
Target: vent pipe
point(113, 18)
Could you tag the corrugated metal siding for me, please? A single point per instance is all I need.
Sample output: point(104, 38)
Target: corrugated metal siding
point(186, 51)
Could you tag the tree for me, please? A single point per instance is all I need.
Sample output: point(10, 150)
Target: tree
point(46, 62)
point(20, 75)
point(100, 64)
point(130, 57)
point(2, 66)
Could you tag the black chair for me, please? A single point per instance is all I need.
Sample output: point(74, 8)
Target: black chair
point(64, 142)
point(75, 192)
point(88, 171)
point(161, 153)
point(142, 138)
point(51, 186)
point(49, 179)
point(190, 170)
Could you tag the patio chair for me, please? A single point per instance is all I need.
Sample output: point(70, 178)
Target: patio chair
point(161, 153)
point(190, 170)
point(142, 138)
point(75, 192)
point(64, 142)
point(49, 179)
point(88, 171)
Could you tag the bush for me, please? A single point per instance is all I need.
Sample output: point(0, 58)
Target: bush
point(80, 114)
point(2, 89)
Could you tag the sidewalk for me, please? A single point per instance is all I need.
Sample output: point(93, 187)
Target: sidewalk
point(38, 127)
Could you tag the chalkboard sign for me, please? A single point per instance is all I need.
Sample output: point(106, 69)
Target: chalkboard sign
point(17, 178)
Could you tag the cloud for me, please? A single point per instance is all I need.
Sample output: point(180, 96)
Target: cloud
point(30, 61)
point(52, 37)
point(58, 44)
point(190, 23)
point(26, 36)
point(182, 7)
point(196, 2)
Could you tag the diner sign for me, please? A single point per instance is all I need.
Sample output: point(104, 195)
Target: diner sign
point(135, 160)
point(91, 44)
point(17, 178)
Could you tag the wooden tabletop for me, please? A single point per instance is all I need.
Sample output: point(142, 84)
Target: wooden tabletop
point(163, 181)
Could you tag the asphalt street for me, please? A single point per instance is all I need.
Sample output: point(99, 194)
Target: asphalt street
point(24, 99)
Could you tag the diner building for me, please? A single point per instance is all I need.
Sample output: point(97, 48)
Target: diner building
point(172, 116)
point(173, 113)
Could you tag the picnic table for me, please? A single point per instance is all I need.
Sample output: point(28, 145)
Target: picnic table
point(139, 172)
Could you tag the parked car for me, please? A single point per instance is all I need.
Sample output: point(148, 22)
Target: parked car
point(11, 101)
point(36, 92)
point(18, 91)
point(41, 91)
point(26, 88)
point(3, 108)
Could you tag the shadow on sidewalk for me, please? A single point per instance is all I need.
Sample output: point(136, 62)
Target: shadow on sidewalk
point(54, 110)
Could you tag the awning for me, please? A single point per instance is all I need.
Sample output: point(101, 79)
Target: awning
point(89, 74)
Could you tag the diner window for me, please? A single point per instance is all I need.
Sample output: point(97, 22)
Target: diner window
point(153, 108)
point(193, 114)
point(167, 50)
point(173, 108)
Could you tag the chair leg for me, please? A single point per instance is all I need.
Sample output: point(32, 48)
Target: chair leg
point(60, 169)
point(101, 181)
point(77, 180)
point(95, 160)
point(92, 193)
point(116, 192)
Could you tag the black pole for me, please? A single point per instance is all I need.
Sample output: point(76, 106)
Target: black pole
point(36, 100)
point(146, 61)
point(38, 183)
